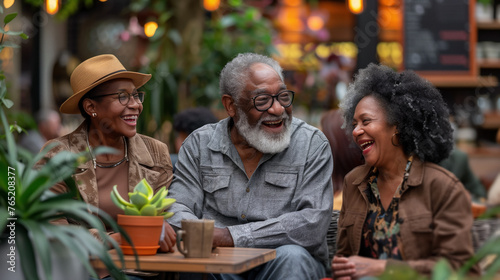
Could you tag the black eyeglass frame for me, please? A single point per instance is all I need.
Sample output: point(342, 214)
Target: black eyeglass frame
point(139, 99)
point(276, 96)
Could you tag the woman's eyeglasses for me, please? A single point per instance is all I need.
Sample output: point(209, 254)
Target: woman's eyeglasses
point(124, 97)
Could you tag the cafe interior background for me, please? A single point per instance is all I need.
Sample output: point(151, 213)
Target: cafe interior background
point(320, 44)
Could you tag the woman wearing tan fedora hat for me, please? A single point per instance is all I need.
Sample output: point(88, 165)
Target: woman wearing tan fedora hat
point(108, 97)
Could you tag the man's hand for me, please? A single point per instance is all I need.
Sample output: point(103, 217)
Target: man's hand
point(168, 242)
point(222, 238)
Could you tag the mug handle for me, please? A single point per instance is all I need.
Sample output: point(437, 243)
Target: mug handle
point(179, 246)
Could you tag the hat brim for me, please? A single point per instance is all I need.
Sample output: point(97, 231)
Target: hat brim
point(70, 106)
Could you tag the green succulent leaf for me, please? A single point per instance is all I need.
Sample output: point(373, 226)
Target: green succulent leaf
point(118, 199)
point(148, 210)
point(160, 194)
point(138, 199)
point(144, 188)
point(165, 203)
point(167, 215)
point(132, 211)
point(117, 202)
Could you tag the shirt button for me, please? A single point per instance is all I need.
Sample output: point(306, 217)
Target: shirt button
point(243, 216)
point(248, 189)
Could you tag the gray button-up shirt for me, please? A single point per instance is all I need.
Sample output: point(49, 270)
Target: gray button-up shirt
point(288, 199)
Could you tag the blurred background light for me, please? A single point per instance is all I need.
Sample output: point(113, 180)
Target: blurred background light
point(150, 28)
point(355, 6)
point(52, 6)
point(211, 5)
point(8, 3)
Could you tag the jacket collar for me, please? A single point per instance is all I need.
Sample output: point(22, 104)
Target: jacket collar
point(416, 173)
point(137, 149)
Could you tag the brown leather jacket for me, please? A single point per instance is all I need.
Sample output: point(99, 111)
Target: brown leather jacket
point(148, 158)
point(434, 213)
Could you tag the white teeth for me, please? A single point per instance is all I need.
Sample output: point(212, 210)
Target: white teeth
point(130, 118)
point(366, 145)
point(273, 122)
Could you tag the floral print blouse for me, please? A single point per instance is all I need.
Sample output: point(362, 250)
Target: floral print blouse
point(381, 228)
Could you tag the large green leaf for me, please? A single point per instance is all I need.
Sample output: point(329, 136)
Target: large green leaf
point(41, 245)
point(26, 254)
point(8, 18)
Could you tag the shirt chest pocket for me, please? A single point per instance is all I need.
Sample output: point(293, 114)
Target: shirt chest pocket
point(279, 187)
point(417, 230)
point(216, 188)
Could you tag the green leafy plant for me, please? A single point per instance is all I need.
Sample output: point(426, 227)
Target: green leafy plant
point(143, 201)
point(28, 208)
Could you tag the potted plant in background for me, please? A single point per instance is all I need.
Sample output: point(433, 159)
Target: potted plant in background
point(36, 248)
point(143, 217)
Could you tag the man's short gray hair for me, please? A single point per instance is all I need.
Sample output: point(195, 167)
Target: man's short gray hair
point(235, 74)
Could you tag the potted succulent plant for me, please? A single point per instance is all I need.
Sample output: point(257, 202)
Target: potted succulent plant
point(36, 248)
point(143, 217)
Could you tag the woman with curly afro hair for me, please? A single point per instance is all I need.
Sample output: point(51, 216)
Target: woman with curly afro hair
point(400, 207)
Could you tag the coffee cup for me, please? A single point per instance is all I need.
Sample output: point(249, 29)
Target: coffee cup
point(196, 237)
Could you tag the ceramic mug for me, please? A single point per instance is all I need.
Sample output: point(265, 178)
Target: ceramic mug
point(197, 237)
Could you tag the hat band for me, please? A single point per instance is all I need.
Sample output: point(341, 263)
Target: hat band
point(103, 77)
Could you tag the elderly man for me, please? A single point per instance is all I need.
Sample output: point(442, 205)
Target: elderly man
point(262, 175)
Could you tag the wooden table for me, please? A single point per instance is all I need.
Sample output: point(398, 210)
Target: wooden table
point(223, 260)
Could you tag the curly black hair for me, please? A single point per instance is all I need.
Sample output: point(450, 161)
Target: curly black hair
point(411, 103)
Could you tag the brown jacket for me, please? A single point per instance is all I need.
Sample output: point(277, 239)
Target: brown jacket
point(434, 214)
point(148, 158)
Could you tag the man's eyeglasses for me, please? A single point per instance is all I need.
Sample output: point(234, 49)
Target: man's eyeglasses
point(262, 102)
point(124, 97)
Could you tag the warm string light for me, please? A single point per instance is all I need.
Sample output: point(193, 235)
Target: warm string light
point(52, 6)
point(211, 5)
point(150, 28)
point(8, 3)
point(315, 23)
point(356, 6)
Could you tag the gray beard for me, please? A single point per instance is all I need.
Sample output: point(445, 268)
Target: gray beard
point(261, 140)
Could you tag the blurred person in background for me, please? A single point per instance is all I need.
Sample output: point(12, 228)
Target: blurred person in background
point(494, 191)
point(400, 208)
point(346, 155)
point(48, 127)
point(188, 121)
point(458, 164)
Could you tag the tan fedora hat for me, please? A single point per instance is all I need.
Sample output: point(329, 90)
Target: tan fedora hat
point(93, 72)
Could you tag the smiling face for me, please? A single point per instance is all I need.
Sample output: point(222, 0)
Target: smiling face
point(113, 118)
point(372, 133)
point(268, 131)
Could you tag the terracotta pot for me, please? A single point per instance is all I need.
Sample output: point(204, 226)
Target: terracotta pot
point(144, 231)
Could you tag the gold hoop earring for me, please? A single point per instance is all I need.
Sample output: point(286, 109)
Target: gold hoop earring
point(94, 115)
point(392, 141)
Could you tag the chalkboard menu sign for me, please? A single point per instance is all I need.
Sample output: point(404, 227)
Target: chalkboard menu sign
point(439, 36)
